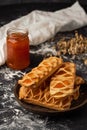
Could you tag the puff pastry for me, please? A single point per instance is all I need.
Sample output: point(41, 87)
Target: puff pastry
point(43, 98)
point(62, 83)
point(40, 73)
point(52, 84)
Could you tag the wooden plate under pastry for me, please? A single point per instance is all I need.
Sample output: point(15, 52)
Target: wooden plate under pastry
point(82, 100)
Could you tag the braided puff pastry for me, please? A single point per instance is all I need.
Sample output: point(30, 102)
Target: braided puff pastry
point(62, 83)
point(40, 73)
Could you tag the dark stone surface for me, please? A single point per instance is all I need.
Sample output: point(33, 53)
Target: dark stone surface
point(12, 115)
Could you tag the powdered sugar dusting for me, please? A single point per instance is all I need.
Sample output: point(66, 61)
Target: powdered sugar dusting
point(9, 74)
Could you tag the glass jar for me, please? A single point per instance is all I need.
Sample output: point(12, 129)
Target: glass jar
point(17, 48)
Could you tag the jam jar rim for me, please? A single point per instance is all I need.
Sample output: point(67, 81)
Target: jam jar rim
point(17, 30)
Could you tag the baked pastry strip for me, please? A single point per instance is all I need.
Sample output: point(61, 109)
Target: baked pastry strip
point(43, 98)
point(62, 83)
point(40, 73)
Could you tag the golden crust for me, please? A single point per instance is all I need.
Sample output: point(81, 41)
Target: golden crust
point(62, 83)
point(43, 98)
point(55, 90)
point(40, 73)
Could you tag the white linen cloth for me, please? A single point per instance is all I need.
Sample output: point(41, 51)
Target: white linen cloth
point(43, 25)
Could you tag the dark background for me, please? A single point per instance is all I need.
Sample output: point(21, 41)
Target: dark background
point(12, 9)
point(7, 2)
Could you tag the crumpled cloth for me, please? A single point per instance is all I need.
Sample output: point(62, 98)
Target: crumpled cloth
point(43, 25)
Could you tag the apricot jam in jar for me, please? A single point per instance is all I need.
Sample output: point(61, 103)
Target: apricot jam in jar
point(17, 48)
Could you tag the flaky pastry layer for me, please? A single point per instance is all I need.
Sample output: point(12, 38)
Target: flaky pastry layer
point(40, 73)
point(43, 98)
point(52, 84)
point(62, 82)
